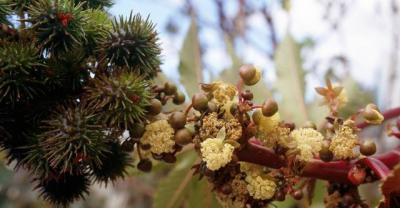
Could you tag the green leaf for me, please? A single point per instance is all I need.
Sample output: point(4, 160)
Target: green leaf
point(172, 189)
point(290, 82)
point(357, 97)
point(190, 61)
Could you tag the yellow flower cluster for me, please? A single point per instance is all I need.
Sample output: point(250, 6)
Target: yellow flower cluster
point(159, 135)
point(258, 184)
point(343, 143)
point(307, 141)
point(237, 198)
point(260, 188)
point(216, 153)
point(222, 92)
point(212, 125)
point(268, 124)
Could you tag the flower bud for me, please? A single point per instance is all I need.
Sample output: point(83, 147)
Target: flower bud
point(212, 107)
point(145, 165)
point(179, 98)
point(372, 115)
point(250, 74)
point(200, 101)
point(177, 120)
point(269, 108)
point(247, 95)
point(183, 136)
point(155, 107)
point(169, 88)
point(368, 148)
point(298, 194)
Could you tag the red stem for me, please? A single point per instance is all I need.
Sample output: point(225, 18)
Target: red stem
point(337, 171)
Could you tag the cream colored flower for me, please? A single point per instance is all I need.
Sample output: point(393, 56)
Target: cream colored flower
point(268, 124)
point(215, 152)
point(159, 135)
point(260, 188)
point(343, 143)
point(222, 92)
point(307, 141)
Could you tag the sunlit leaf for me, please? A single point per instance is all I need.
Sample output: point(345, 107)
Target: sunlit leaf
point(290, 81)
point(172, 189)
point(190, 61)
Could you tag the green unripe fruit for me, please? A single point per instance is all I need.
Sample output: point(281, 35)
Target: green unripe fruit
point(200, 101)
point(177, 120)
point(145, 165)
point(169, 88)
point(155, 107)
point(269, 108)
point(183, 136)
point(179, 98)
point(368, 148)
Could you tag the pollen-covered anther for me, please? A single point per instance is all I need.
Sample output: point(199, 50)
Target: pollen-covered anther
point(159, 135)
point(216, 153)
point(221, 92)
point(307, 142)
point(343, 143)
point(260, 188)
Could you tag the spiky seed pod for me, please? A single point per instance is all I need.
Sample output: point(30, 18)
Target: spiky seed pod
point(133, 43)
point(70, 138)
point(121, 100)
point(19, 72)
point(63, 189)
point(95, 4)
point(5, 9)
point(97, 29)
point(113, 164)
point(68, 74)
point(58, 25)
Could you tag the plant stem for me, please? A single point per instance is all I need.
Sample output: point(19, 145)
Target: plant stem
point(336, 171)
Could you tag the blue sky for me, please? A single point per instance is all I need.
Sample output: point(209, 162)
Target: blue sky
point(364, 36)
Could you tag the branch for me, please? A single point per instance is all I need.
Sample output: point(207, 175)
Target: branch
point(337, 171)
